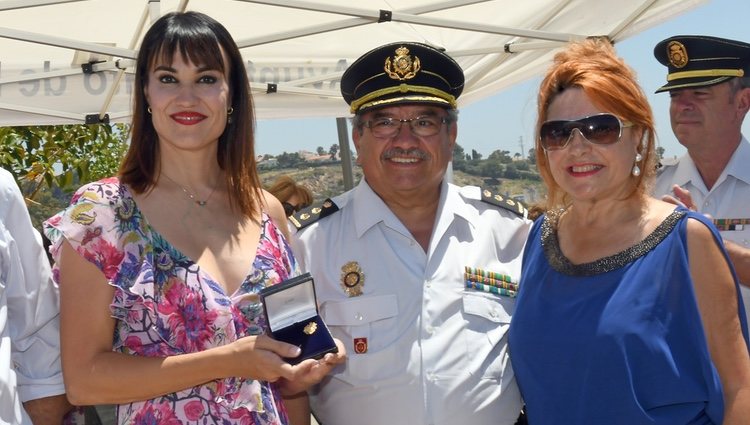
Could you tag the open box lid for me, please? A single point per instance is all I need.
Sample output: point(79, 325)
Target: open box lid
point(290, 302)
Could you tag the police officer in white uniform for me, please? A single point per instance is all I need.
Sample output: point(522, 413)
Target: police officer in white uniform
point(415, 275)
point(31, 381)
point(709, 86)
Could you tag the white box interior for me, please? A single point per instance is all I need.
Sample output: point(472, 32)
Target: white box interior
point(292, 305)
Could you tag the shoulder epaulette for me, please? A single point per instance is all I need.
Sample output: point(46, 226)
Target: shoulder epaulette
point(509, 204)
point(313, 213)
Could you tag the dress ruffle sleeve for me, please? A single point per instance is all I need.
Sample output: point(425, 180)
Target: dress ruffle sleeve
point(103, 225)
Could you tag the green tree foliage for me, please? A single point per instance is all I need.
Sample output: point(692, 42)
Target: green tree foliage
point(46, 204)
point(532, 156)
point(491, 168)
point(49, 162)
point(333, 150)
point(321, 151)
point(289, 160)
point(459, 158)
point(61, 156)
point(501, 156)
point(511, 172)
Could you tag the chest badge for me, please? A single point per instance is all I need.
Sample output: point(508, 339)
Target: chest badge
point(352, 279)
point(360, 345)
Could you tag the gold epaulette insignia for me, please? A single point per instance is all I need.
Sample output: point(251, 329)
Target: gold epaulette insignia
point(311, 214)
point(509, 204)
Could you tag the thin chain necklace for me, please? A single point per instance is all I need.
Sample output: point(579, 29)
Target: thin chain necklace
point(190, 194)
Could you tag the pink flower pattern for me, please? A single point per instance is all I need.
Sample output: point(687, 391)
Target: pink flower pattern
point(165, 305)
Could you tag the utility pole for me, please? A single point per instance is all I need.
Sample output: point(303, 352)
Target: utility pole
point(523, 151)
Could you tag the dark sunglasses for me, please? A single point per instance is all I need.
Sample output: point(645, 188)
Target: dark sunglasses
point(289, 209)
point(600, 129)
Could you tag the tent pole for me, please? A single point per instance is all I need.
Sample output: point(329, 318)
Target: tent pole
point(345, 153)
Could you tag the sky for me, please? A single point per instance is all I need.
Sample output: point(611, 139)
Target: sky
point(505, 121)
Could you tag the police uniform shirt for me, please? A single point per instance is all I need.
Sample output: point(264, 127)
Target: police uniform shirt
point(428, 350)
point(728, 198)
point(29, 320)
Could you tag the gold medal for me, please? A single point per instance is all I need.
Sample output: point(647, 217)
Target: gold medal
point(352, 279)
point(310, 328)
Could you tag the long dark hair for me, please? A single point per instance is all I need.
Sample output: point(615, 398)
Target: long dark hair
point(196, 36)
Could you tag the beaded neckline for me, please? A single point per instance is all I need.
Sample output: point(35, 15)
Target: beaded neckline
point(560, 263)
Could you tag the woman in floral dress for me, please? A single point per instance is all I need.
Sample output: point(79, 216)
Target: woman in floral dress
point(160, 268)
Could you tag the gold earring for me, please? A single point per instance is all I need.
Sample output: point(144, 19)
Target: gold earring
point(230, 110)
point(148, 109)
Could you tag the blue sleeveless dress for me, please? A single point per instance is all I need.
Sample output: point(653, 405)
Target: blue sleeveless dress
point(616, 341)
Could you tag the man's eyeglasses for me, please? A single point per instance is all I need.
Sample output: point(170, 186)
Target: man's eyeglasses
point(290, 209)
point(600, 129)
point(388, 127)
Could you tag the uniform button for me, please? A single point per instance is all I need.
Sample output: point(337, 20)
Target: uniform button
point(430, 376)
point(429, 329)
point(428, 284)
point(493, 313)
point(706, 203)
point(359, 316)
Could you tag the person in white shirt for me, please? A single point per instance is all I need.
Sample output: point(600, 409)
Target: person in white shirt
point(415, 275)
point(709, 86)
point(31, 383)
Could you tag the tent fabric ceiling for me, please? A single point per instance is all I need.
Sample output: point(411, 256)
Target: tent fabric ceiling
point(69, 61)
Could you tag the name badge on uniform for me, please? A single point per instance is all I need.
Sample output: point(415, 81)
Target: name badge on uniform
point(360, 345)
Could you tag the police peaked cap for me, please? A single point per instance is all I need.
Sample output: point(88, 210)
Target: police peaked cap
point(403, 72)
point(700, 61)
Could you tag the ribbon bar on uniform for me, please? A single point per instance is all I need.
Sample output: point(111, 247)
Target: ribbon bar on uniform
point(727, 224)
point(487, 281)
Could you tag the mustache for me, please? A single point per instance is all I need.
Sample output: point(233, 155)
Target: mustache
point(404, 153)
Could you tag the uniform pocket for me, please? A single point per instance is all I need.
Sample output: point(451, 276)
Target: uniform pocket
point(488, 318)
point(372, 318)
point(490, 307)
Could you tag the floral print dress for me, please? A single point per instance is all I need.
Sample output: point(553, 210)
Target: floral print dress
point(164, 305)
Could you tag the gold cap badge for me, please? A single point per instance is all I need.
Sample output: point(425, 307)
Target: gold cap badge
point(677, 54)
point(352, 279)
point(403, 66)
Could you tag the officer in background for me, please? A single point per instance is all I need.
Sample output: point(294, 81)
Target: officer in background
point(31, 381)
point(708, 82)
point(415, 275)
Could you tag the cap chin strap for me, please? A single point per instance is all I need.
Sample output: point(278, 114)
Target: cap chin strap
point(407, 89)
point(706, 73)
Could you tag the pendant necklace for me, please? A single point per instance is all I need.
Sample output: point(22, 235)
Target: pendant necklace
point(190, 194)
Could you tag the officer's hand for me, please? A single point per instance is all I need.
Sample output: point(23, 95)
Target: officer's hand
point(682, 197)
point(309, 372)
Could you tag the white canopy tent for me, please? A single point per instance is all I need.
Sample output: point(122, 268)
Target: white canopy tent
point(71, 61)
